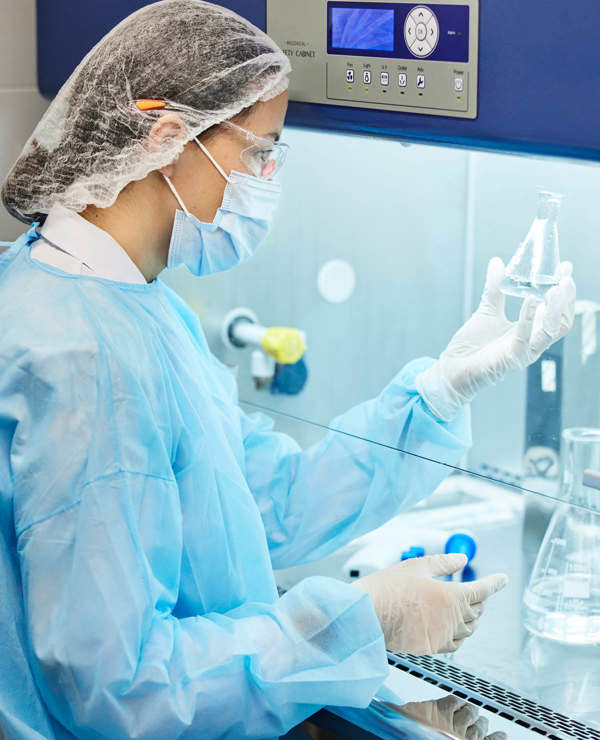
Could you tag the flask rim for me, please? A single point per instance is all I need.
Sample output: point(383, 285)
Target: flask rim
point(585, 435)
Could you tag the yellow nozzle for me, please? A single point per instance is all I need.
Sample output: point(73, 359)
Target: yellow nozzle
point(285, 345)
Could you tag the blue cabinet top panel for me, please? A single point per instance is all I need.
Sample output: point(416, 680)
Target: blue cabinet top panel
point(539, 75)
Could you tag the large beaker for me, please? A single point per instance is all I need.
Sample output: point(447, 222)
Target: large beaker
point(534, 266)
point(562, 601)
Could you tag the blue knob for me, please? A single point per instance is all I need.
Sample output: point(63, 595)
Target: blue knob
point(290, 379)
point(413, 552)
point(462, 544)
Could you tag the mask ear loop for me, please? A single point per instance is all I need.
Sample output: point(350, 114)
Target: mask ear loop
point(214, 162)
point(176, 194)
point(212, 159)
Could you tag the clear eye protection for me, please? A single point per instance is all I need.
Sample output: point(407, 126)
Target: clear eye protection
point(264, 157)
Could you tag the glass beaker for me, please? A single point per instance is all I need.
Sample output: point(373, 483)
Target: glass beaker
point(533, 268)
point(562, 600)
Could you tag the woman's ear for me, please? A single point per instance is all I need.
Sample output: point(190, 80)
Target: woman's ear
point(166, 128)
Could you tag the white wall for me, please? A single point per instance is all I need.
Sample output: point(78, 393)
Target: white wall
point(21, 105)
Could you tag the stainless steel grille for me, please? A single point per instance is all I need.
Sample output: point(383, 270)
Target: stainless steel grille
point(494, 698)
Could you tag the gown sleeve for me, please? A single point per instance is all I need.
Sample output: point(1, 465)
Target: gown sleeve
point(99, 535)
point(383, 456)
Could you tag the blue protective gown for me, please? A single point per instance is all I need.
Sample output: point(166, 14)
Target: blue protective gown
point(142, 512)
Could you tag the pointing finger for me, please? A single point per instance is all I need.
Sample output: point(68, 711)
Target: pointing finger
point(436, 565)
point(549, 331)
point(567, 287)
point(492, 295)
point(565, 269)
point(485, 587)
point(526, 319)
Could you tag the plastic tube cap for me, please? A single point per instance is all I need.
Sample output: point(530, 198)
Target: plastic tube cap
point(413, 552)
point(463, 544)
point(285, 345)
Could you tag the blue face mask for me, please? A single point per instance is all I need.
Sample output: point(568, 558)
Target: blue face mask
point(238, 229)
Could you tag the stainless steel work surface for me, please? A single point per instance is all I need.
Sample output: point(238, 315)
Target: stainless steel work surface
point(565, 678)
point(550, 686)
point(412, 705)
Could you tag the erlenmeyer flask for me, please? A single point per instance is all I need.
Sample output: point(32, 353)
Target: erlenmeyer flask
point(562, 601)
point(533, 269)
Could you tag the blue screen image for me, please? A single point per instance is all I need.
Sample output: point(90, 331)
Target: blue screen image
point(361, 28)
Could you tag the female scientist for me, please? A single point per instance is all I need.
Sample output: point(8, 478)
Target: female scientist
point(142, 512)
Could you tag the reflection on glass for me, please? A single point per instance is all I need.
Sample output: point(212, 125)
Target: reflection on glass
point(449, 715)
point(533, 269)
point(291, 424)
point(562, 601)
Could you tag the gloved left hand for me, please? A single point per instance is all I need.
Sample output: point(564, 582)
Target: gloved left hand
point(421, 615)
point(489, 345)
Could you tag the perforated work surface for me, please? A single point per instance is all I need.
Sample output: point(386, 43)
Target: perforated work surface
point(494, 698)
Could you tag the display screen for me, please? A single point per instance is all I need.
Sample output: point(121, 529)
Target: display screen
point(362, 29)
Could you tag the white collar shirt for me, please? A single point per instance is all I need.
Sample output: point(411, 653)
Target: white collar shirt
point(72, 244)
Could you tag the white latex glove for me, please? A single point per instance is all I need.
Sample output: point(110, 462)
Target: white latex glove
point(422, 616)
point(489, 345)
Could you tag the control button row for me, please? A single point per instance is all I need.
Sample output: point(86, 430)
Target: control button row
point(384, 77)
point(366, 76)
point(459, 82)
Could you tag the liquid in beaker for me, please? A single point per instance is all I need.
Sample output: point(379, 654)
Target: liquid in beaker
point(534, 266)
point(562, 601)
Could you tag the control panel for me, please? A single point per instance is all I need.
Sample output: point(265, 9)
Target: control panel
point(390, 55)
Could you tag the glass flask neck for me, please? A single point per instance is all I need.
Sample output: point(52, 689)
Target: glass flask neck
point(548, 205)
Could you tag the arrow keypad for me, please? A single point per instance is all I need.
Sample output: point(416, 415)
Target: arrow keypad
point(421, 31)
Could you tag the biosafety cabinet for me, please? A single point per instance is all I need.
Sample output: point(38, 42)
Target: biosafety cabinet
point(420, 134)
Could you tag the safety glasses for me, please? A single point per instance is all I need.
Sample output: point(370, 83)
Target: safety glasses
point(264, 157)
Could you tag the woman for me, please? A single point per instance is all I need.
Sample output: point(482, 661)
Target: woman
point(142, 510)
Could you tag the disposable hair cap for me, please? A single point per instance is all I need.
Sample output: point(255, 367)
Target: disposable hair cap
point(204, 61)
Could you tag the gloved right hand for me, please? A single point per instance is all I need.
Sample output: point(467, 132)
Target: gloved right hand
point(489, 345)
point(422, 616)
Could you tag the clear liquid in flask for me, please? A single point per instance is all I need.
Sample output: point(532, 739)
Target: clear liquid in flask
point(566, 609)
point(534, 267)
point(512, 285)
point(562, 600)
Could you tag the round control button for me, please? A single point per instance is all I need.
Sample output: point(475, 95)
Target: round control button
point(421, 31)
